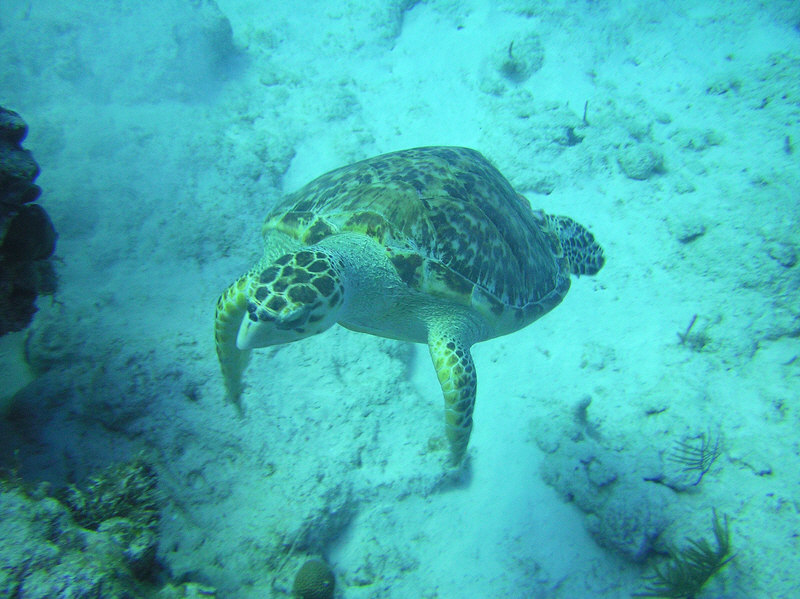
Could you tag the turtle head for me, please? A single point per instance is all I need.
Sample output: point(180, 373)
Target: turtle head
point(298, 295)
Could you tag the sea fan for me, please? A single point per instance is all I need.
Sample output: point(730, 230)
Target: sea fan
point(697, 457)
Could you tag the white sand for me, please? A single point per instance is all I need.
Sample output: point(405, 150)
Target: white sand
point(161, 153)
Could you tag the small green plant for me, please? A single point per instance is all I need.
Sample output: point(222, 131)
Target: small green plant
point(697, 457)
point(691, 568)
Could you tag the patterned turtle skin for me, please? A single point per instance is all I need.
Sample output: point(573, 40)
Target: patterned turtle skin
point(430, 245)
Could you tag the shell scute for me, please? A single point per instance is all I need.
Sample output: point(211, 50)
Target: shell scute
point(408, 266)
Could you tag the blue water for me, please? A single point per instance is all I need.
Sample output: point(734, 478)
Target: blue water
point(166, 131)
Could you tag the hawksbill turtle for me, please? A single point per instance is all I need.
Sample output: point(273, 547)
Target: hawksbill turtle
point(430, 245)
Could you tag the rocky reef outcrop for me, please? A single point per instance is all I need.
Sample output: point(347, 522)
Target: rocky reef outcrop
point(99, 539)
point(27, 236)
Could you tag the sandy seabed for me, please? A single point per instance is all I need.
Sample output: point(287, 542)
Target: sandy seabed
point(166, 130)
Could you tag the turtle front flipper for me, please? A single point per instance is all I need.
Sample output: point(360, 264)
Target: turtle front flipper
point(456, 373)
point(295, 296)
point(231, 310)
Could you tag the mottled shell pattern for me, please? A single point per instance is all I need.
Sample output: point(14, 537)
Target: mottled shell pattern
point(451, 224)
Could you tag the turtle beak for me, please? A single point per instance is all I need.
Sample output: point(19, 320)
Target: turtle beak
point(263, 333)
point(252, 335)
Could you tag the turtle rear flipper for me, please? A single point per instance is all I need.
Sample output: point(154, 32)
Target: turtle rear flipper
point(584, 253)
point(456, 373)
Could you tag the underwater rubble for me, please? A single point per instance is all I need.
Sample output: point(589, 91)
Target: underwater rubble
point(96, 540)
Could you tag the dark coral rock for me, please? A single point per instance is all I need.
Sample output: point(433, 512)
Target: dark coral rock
point(12, 128)
point(27, 236)
point(30, 235)
point(18, 169)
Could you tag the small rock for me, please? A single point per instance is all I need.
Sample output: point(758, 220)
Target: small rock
point(783, 253)
point(599, 474)
point(511, 64)
point(314, 580)
point(521, 59)
point(690, 231)
point(640, 161)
